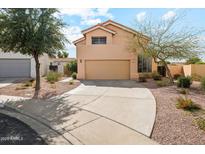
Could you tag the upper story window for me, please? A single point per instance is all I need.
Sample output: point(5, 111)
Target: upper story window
point(99, 40)
point(144, 64)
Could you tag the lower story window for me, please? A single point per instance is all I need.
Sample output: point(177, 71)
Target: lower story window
point(144, 64)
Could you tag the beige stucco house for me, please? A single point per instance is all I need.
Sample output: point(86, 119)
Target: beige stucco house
point(103, 53)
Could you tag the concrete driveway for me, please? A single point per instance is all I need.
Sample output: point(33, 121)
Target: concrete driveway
point(99, 112)
point(118, 105)
point(7, 81)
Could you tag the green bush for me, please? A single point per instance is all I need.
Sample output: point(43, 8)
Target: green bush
point(53, 77)
point(74, 75)
point(186, 104)
point(184, 82)
point(200, 62)
point(193, 60)
point(163, 83)
point(60, 55)
point(156, 76)
point(203, 83)
point(72, 66)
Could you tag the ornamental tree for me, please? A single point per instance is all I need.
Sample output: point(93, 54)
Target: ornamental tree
point(166, 40)
point(33, 32)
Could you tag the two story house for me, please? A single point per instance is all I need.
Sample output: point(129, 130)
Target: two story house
point(103, 54)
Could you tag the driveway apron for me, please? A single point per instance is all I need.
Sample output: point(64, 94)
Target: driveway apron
point(99, 112)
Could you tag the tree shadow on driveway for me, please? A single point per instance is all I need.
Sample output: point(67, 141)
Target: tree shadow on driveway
point(56, 113)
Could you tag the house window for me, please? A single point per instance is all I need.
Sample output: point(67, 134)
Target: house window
point(144, 64)
point(99, 40)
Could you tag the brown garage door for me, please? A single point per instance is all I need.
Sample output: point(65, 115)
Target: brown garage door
point(107, 69)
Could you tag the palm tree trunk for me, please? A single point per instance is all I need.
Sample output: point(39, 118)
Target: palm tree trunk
point(37, 87)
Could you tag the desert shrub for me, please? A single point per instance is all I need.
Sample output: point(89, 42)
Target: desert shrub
point(163, 83)
point(147, 75)
point(184, 82)
point(53, 77)
point(27, 84)
point(32, 80)
point(71, 82)
point(72, 66)
point(183, 91)
point(203, 83)
point(74, 75)
point(176, 76)
point(196, 77)
point(156, 76)
point(201, 123)
point(20, 88)
point(186, 104)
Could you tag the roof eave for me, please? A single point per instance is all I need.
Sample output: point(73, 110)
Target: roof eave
point(125, 28)
point(78, 40)
point(96, 27)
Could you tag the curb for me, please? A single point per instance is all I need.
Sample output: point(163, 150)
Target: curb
point(50, 135)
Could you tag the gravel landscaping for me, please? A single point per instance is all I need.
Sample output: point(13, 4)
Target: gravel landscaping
point(25, 88)
point(172, 125)
point(15, 132)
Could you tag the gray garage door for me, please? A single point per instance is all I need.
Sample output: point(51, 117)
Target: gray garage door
point(15, 67)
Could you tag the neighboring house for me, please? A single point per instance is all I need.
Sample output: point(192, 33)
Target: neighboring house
point(103, 53)
point(61, 63)
point(18, 65)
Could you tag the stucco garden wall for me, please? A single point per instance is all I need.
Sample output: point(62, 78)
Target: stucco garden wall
point(187, 70)
point(176, 69)
point(194, 69)
point(198, 69)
